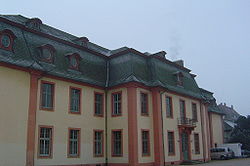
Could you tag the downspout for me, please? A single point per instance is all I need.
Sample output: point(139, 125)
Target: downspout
point(163, 144)
point(106, 116)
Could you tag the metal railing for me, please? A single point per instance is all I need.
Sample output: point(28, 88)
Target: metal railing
point(186, 122)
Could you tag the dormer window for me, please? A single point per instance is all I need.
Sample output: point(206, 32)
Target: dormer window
point(7, 39)
point(74, 61)
point(34, 23)
point(47, 53)
point(179, 78)
point(83, 41)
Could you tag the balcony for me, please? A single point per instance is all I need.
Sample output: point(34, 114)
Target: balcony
point(186, 122)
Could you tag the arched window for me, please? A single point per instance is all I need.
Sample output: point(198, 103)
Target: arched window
point(7, 38)
point(47, 53)
point(74, 60)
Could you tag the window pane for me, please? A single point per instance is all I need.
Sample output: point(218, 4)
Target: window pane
point(117, 104)
point(47, 95)
point(45, 141)
point(171, 143)
point(98, 143)
point(117, 143)
point(196, 143)
point(98, 104)
point(194, 110)
point(73, 142)
point(75, 100)
point(169, 107)
point(182, 109)
point(145, 142)
point(144, 103)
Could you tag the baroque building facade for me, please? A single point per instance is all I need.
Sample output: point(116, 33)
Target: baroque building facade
point(67, 101)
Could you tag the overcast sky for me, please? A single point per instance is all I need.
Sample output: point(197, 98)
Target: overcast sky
point(212, 36)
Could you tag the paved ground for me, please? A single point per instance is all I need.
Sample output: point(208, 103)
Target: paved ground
point(233, 162)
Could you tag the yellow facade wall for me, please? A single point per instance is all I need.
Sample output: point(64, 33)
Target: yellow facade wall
point(120, 122)
point(14, 93)
point(61, 120)
point(145, 122)
point(171, 124)
point(217, 129)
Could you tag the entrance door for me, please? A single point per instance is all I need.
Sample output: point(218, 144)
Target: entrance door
point(185, 150)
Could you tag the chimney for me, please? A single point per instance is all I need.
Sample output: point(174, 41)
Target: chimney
point(224, 104)
point(179, 62)
point(232, 106)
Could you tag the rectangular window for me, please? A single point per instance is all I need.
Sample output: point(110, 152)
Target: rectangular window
point(47, 95)
point(75, 100)
point(45, 141)
point(98, 104)
point(194, 112)
point(196, 143)
point(116, 104)
point(171, 146)
point(145, 143)
point(144, 104)
point(169, 108)
point(98, 143)
point(74, 143)
point(182, 109)
point(117, 143)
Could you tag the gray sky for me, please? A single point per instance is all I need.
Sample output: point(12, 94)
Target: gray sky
point(212, 36)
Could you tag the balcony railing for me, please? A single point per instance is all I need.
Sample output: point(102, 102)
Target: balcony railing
point(186, 122)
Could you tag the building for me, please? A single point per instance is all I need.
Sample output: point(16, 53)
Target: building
point(230, 117)
point(67, 101)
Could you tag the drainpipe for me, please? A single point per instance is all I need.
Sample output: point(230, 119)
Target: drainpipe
point(162, 126)
point(106, 116)
point(202, 132)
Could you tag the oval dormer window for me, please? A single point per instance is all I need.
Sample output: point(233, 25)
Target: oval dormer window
point(47, 53)
point(74, 60)
point(7, 39)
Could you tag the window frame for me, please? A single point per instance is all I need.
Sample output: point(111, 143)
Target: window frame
point(148, 143)
point(197, 151)
point(78, 145)
point(174, 150)
point(52, 51)
point(77, 57)
point(94, 143)
point(50, 156)
point(112, 104)
point(112, 143)
point(194, 115)
point(102, 110)
point(80, 100)
point(146, 113)
point(184, 107)
point(171, 107)
point(52, 98)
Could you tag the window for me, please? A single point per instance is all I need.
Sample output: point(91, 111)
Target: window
point(171, 143)
point(74, 61)
point(74, 143)
point(194, 112)
point(116, 104)
point(169, 108)
point(117, 143)
point(196, 143)
point(98, 143)
point(182, 109)
point(7, 39)
point(145, 143)
point(47, 95)
point(98, 104)
point(75, 100)
point(144, 104)
point(179, 78)
point(47, 52)
point(45, 141)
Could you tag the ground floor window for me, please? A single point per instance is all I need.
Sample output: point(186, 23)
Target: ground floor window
point(45, 141)
point(98, 143)
point(74, 143)
point(117, 143)
point(145, 143)
point(196, 143)
point(171, 141)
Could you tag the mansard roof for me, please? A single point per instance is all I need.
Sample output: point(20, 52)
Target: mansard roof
point(98, 65)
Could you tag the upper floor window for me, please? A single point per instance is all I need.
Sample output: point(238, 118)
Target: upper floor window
point(47, 53)
point(194, 112)
point(144, 103)
point(74, 61)
point(7, 39)
point(45, 141)
point(169, 107)
point(75, 100)
point(74, 143)
point(47, 95)
point(116, 104)
point(182, 109)
point(98, 104)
